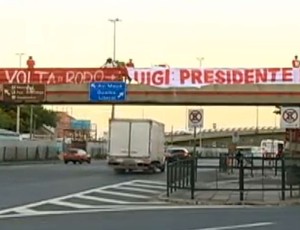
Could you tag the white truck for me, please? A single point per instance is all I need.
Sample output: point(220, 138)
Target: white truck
point(136, 144)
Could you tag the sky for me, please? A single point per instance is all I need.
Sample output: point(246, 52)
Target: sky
point(231, 33)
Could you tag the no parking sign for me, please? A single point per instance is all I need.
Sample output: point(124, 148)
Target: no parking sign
point(290, 117)
point(195, 118)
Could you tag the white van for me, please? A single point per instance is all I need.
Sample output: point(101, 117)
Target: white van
point(270, 147)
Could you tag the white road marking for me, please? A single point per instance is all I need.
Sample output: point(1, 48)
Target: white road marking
point(129, 188)
point(149, 186)
point(150, 182)
point(69, 204)
point(123, 194)
point(100, 199)
point(120, 208)
point(242, 226)
point(27, 211)
point(60, 200)
point(43, 202)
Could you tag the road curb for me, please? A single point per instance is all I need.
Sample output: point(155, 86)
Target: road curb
point(163, 197)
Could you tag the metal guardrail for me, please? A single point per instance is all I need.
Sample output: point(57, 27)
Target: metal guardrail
point(182, 174)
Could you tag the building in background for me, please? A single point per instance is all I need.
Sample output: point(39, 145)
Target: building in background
point(63, 123)
point(74, 129)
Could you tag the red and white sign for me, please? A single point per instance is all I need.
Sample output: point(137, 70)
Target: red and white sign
point(60, 75)
point(290, 117)
point(194, 77)
point(195, 118)
point(156, 76)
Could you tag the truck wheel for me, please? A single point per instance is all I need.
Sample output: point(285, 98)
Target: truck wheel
point(74, 162)
point(162, 168)
point(66, 162)
point(152, 168)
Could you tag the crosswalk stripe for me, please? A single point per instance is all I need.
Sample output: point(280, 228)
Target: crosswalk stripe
point(150, 182)
point(102, 199)
point(123, 194)
point(138, 189)
point(69, 204)
point(148, 186)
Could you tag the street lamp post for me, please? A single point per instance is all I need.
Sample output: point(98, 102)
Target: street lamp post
point(257, 119)
point(18, 106)
point(200, 59)
point(114, 21)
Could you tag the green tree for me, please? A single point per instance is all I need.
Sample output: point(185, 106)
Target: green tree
point(40, 116)
point(6, 121)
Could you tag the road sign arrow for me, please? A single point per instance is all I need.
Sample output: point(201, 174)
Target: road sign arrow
point(6, 91)
point(120, 95)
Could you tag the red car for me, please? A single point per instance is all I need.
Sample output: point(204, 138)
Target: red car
point(76, 155)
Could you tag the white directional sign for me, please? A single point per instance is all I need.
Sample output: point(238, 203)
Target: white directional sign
point(195, 118)
point(290, 117)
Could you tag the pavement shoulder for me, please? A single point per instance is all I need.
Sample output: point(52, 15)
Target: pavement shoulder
point(188, 201)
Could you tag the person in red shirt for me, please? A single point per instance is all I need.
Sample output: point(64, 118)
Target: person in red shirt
point(296, 63)
point(30, 63)
point(130, 64)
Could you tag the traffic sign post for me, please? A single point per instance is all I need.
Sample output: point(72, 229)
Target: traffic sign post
point(108, 91)
point(20, 93)
point(195, 120)
point(290, 117)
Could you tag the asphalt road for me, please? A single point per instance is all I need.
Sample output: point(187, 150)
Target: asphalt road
point(203, 218)
point(58, 196)
point(31, 183)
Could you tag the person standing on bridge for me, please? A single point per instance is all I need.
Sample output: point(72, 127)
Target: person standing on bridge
point(296, 63)
point(110, 63)
point(30, 63)
point(130, 64)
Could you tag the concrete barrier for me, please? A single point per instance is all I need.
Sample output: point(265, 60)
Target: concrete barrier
point(27, 150)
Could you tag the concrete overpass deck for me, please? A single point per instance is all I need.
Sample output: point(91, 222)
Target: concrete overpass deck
point(247, 136)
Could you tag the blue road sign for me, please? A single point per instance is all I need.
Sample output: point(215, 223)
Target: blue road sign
point(108, 91)
point(81, 124)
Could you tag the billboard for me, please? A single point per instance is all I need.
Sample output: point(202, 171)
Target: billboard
point(81, 124)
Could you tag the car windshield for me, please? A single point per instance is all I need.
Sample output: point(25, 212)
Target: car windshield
point(72, 151)
point(176, 151)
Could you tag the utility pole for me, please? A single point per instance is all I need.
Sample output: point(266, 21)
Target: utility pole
point(31, 122)
point(18, 106)
point(114, 21)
